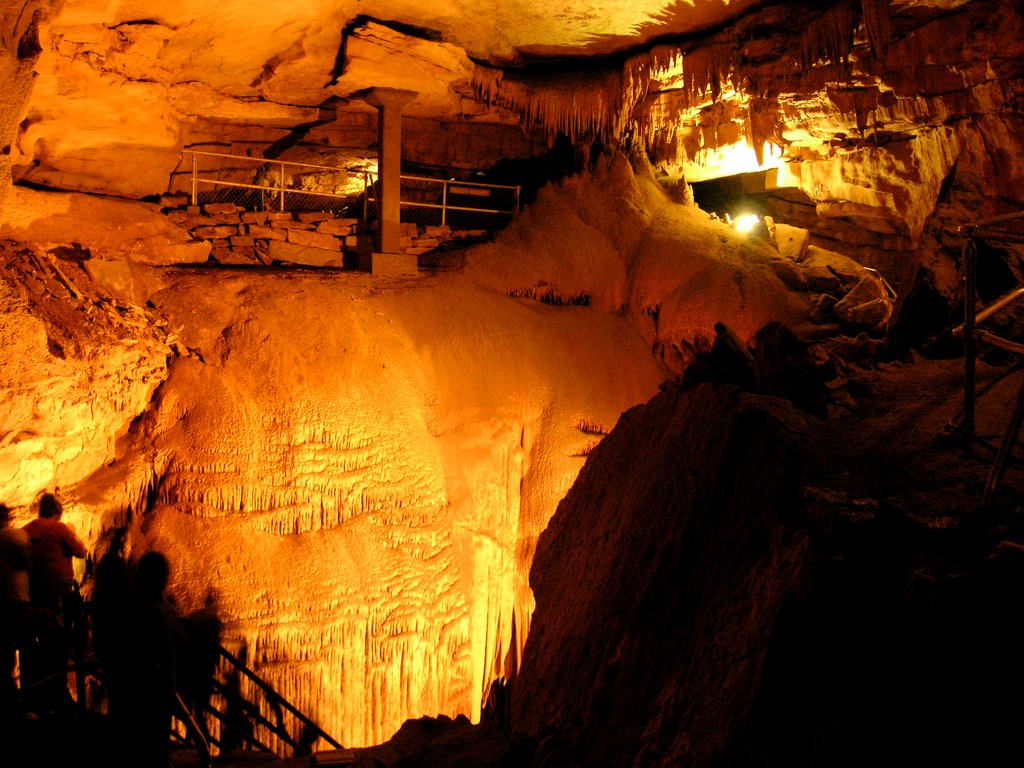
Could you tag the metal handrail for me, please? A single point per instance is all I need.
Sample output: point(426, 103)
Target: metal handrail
point(987, 229)
point(264, 160)
point(81, 667)
point(192, 727)
point(369, 180)
point(446, 185)
point(269, 691)
point(278, 189)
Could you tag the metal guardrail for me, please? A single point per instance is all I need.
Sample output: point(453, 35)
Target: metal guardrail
point(987, 229)
point(995, 228)
point(276, 183)
point(267, 183)
point(239, 716)
point(250, 713)
point(444, 195)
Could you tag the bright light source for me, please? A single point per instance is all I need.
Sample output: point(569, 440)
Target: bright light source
point(745, 223)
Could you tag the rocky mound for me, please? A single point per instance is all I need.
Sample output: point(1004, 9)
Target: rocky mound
point(658, 584)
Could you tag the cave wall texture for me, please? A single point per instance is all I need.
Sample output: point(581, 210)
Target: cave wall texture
point(359, 470)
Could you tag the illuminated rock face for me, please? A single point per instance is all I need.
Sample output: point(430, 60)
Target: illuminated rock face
point(78, 366)
point(345, 468)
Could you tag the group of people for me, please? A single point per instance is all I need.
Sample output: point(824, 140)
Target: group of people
point(147, 654)
point(39, 604)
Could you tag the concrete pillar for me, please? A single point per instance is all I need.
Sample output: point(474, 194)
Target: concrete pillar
point(389, 103)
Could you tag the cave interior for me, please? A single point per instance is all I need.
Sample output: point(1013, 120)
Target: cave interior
point(541, 384)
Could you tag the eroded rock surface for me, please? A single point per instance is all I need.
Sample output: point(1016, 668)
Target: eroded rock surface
point(78, 366)
point(730, 582)
point(683, 563)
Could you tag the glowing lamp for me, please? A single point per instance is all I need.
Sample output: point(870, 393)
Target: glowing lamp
point(745, 222)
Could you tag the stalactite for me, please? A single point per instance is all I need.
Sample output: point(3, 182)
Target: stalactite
point(584, 105)
point(762, 124)
point(707, 71)
point(877, 26)
point(829, 38)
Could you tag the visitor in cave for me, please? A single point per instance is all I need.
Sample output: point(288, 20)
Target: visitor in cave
point(14, 605)
point(201, 632)
point(53, 545)
point(109, 606)
point(53, 591)
point(143, 679)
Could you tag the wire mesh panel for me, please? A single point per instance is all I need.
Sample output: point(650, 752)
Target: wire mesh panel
point(422, 200)
point(271, 185)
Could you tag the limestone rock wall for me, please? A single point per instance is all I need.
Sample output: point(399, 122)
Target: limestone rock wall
point(79, 366)
point(20, 46)
point(876, 111)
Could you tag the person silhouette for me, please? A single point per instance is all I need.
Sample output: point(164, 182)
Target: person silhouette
point(200, 654)
point(52, 545)
point(109, 608)
point(143, 689)
point(14, 605)
point(54, 592)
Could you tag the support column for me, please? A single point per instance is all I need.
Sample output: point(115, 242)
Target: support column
point(388, 258)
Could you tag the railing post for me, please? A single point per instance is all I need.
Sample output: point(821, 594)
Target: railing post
point(195, 179)
point(280, 183)
point(444, 203)
point(517, 199)
point(366, 196)
point(970, 291)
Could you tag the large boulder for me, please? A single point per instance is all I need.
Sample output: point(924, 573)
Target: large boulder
point(660, 577)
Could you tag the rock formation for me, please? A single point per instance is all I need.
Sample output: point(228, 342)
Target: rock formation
point(671, 558)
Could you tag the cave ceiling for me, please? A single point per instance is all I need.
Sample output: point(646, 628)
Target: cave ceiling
point(277, 65)
point(825, 92)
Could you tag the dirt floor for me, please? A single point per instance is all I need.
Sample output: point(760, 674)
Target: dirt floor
point(903, 445)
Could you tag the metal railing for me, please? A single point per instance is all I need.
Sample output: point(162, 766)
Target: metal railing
point(262, 184)
point(265, 184)
point(996, 228)
point(424, 199)
point(241, 718)
point(245, 717)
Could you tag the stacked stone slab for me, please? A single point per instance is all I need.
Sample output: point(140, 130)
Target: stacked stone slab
point(311, 238)
point(238, 236)
point(417, 240)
